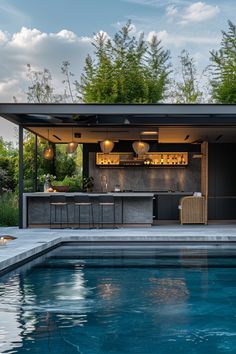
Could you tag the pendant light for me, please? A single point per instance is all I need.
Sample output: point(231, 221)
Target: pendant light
point(106, 146)
point(72, 146)
point(48, 152)
point(140, 147)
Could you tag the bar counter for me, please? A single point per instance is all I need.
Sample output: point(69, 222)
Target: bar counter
point(131, 209)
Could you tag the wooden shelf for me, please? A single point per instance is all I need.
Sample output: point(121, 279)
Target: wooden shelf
point(151, 159)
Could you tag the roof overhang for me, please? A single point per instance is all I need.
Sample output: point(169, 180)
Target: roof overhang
point(36, 115)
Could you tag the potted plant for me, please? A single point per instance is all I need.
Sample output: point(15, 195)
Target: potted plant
point(88, 184)
point(70, 184)
point(59, 186)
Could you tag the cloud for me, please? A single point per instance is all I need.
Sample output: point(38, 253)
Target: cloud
point(41, 50)
point(198, 12)
point(158, 3)
point(3, 37)
point(7, 87)
point(182, 40)
point(195, 12)
point(171, 11)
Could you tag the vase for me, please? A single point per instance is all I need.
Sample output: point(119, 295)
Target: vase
point(46, 186)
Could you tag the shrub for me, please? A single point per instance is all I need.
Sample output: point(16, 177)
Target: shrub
point(7, 173)
point(9, 209)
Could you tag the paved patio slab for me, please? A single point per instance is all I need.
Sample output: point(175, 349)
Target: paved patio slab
point(31, 242)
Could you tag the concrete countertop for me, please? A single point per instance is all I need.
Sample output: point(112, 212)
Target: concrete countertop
point(173, 193)
point(94, 194)
point(115, 194)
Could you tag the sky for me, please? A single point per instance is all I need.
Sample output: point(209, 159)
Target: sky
point(46, 33)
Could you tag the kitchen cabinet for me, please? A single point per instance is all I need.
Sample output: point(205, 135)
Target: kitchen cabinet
point(165, 205)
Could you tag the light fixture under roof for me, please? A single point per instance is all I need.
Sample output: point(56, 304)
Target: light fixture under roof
point(107, 146)
point(72, 146)
point(149, 133)
point(140, 147)
point(48, 152)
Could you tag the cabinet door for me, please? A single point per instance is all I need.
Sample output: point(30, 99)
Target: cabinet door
point(164, 207)
point(212, 208)
point(225, 208)
point(175, 199)
point(155, 207)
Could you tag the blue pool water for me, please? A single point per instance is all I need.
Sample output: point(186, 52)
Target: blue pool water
point(144, 301)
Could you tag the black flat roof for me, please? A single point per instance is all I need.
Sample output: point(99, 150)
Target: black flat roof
point(27, 114)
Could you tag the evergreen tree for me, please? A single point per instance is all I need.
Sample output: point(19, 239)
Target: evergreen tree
point(158, 69)
point(126, 69)
point(224, 67)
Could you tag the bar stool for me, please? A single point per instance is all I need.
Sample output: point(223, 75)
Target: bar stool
point(84, 201)
point(106, 201)
point(59, 203)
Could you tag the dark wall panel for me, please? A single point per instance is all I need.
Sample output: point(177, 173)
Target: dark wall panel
point(222, 181)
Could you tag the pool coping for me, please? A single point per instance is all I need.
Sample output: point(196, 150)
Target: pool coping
point(31, 243)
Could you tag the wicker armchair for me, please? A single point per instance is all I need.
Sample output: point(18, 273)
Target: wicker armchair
point(192, 210)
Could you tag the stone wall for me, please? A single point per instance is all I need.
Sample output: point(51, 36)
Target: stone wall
point(149, 179)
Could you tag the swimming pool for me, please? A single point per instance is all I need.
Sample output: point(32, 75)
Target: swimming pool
point(135, 299)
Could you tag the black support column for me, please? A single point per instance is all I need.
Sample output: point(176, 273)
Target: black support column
point(36, 163)
point(21, 176)
point(53, 163)
point(85, 161)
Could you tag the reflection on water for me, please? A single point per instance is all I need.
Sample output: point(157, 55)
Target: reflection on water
point(107, 290)
point(167, 290)
point(171, 300)
point(11, 328)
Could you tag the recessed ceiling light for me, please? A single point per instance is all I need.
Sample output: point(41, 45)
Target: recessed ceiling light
point(149, 133)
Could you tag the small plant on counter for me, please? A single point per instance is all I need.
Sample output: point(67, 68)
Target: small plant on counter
point(88, 184)
point(70, 184)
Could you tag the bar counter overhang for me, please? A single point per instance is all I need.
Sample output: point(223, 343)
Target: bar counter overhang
point(203, 127)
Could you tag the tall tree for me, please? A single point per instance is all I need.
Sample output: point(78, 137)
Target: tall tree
point(186, 90)
point(68, 92)
point(158, 70)
point(224, 67)
point(126, 69)
point(40, 89)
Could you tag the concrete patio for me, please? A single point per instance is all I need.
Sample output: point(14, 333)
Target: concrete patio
point(31, 242)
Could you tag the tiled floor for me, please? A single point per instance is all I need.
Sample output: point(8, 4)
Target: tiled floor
point(29, 242)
